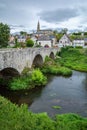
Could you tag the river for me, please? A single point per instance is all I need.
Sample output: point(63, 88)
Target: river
point(68, 93)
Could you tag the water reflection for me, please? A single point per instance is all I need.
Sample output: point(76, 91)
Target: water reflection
point(21, 97)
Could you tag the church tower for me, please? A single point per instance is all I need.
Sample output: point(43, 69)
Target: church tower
point(38, 26)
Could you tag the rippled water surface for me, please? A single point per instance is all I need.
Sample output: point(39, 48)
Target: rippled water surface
point(69, 93)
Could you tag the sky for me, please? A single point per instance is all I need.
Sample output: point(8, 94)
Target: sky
point(23, 15)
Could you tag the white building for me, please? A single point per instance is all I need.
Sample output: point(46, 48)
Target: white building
point(64, 41)
point(78, 42)
point(21, 38)
point(46, 41)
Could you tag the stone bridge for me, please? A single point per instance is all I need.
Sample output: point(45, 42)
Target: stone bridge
point(18, 59)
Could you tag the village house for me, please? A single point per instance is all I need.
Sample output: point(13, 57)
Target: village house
point(11, 41)
point(44, 38)
point(21, 38)
point(85, 42)
point(46, 41)
point(64, 41)
point(78, 42)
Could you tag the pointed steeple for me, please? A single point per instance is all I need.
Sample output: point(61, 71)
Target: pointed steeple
point(38, 26)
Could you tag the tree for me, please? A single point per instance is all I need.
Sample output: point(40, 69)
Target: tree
point(29, 43)
point(4, 35)
point(23, 33)
point(58, 36)
point(64, 31)
point(55, 32)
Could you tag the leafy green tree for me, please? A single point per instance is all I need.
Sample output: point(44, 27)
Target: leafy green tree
point(4, 35)
point(55, 32)
point(64, 31)
point(29, 43)
point(58, 36)
point(23, 33)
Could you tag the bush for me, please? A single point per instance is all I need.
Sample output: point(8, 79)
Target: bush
point(38, 78)
point(70, 121)
point(29, 43)
point(20, 83)
point(13, 117)
point(79, 47)
point(28, 81)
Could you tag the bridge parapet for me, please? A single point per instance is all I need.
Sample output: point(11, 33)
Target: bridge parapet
point(19, 58)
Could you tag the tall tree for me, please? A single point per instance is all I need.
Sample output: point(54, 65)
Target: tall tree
point(23, 33)
point(64, 31)
point(4, 35)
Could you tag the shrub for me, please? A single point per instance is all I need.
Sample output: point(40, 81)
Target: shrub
point(20, 83)
point(79, 47)
point(38, 78)
point(29, 43)
point(28, 81)
point(13, 117)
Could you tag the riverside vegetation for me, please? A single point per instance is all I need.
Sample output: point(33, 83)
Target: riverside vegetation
point(31, 78)
point(37, 77)
point(54, 68)
point(19, 118)
point(13, 117)
point(74, 58)
point(28, 81)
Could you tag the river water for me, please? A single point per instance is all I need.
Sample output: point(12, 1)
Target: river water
point(68, 93)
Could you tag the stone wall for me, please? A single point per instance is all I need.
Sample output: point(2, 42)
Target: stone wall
point(20, 58)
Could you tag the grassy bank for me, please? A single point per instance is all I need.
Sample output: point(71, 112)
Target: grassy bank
point(35, 77)
point(25, 81)
point(52, 67)
point(13, 117)
point(74, 58)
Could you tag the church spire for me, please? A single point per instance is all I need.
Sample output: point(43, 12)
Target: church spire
point(38, 26)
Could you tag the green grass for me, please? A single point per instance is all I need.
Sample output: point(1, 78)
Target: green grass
point(52, 67)
point(73, 58)
point(13, 117)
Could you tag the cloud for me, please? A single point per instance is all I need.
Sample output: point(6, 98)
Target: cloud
point(58, 15)
point(51, 13)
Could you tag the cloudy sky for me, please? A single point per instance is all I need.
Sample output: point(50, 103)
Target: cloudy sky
point(24, 14)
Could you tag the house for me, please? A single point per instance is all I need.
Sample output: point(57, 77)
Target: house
point(78, 42)
point(21, 38)
point(64, 41)
point(85, 41)
point(11, 41)
point(44, 38)
point(45, 41)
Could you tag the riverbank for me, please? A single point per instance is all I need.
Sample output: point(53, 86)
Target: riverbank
point(36, 77)
point(19, 118)
point(73, 58)
point(53, 68)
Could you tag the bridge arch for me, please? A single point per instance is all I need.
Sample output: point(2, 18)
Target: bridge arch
point(52, 55)
point(9, 72)
point(38, 61)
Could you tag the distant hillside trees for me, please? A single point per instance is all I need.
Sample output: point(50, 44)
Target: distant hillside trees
point(4, 35)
